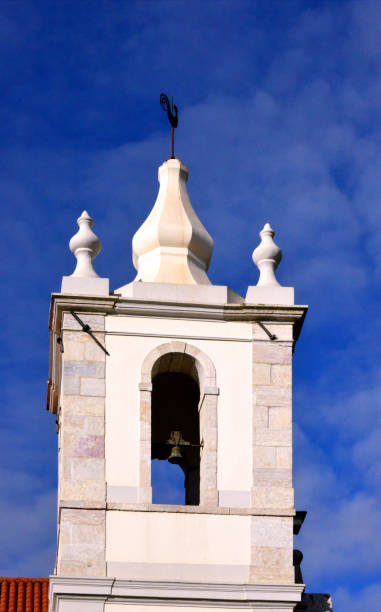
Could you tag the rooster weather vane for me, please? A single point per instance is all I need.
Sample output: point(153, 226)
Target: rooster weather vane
point(172, 117)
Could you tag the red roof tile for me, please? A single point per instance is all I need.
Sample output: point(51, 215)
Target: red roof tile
point(24, 594)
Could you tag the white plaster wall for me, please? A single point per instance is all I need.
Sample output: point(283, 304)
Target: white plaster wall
point(129, 341)
point(234, 452)
point(159, 537)
point(123, 375)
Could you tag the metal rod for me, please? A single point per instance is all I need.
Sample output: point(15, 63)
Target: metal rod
point(270, 335)
point(179, 444)
point(87, 329)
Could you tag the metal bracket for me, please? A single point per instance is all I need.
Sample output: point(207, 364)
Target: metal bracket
point(87, 329)
point(270, 335)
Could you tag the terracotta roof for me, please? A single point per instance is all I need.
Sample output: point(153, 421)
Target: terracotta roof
point(24, 594)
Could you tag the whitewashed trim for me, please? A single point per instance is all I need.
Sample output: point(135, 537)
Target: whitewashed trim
point(169, 593)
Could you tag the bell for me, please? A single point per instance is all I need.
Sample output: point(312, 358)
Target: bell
point(175, 457)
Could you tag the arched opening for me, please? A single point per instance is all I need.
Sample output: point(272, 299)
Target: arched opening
point(175, 430)
point(195, 377)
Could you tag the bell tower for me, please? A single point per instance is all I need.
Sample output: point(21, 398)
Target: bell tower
point(170, 367)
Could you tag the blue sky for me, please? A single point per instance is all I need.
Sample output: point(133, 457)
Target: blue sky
point(280, 121)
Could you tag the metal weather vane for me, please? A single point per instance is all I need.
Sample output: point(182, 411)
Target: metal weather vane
point(172, 117)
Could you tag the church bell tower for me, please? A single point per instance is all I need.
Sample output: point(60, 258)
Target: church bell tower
point(170, 367)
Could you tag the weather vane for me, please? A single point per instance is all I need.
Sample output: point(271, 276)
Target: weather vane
point(172, 116)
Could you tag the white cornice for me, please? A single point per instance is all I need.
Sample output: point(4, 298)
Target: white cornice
point(197, 594)
point(227, 312)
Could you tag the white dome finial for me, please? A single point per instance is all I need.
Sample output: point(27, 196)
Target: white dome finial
point(267, 257)
point(85, 245)
point(172, 245)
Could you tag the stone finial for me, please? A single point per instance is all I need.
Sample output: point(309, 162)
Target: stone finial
point(267, 257)
point(85, 246)
point(172, 245)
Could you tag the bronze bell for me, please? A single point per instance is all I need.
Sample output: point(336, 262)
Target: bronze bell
point(175, 457)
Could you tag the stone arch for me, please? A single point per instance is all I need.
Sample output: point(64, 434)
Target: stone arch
point(186, 358)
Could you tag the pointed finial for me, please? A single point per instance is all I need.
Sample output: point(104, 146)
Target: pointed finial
point(267, 257)
point(85, 245)
point(172, 245)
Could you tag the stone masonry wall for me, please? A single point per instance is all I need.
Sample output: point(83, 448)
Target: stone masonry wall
point(272, 536)
point(82, 487)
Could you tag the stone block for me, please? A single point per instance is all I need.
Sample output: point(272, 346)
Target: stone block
point(86, 405)
point(272, 437)
point(280, 418)
point(95, 369)
point(74, 423)
point(65, 534)
point(264, 457)
point(95, 425)
point(261, 374)
point(87, 469)
point(272, 477)
point(145, 495)
point(280, 331)
point(284, 457)
point(283, 331)
point(271, 565)
point(65, 467)
point(261, 416)
point(82, 285)
point(71, 385)
point(81, 568)
point(272, 352)
point(89, 446)
point(281, 375)
point(84, 424)
point(74, 516)
point(83, 490)
point(258, 497)
point(272, 294)
point(96, 322)
point(73, 350)
point(278, 497)
point(272, 531)
point(210, 438)
point(145, 411)
point(93, 386)
point(208, 406)
point(74, 445)
point(82, 552)
point(271, 395)
point(93, 352)
point(74, 336)
point(145, 430)
point(93, 535)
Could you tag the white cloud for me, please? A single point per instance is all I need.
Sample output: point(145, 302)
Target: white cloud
point(364, 599)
